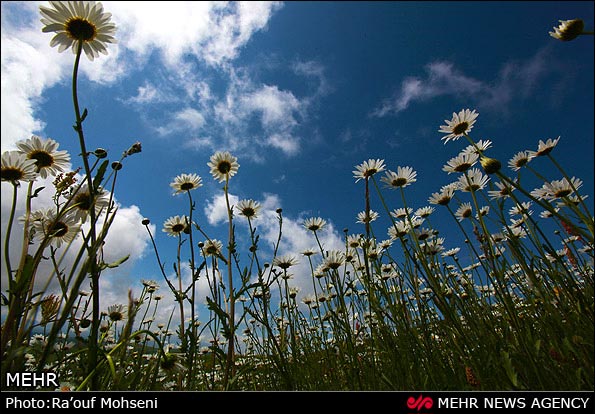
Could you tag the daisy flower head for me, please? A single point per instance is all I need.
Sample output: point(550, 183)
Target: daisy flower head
point(364, 218)
point(473, 180)
point(444, 196)
point(521, 159)
point(48, 159)
point(285, 262)
point(401, 212)
point(464, 211)
point(16, 167)
point(249, 208)
point(80, 201)
point(398, 230)
point(479, 147)
point(116, 312)
point(563, 188)
point(314, 223)
point(503, 191)
point(151, 285)
point(309, 252)
point(546, 147)
point(461, 162)
point(521, 209)
point(353, 241)
point(62, 229)
point(368, 168)
point(76, 22)
point(402, 178)
point(568, 29)
point(459, 125)
point(433, 247)
point(223, 165)
point(424, 212)
point(175, 225)
point(212, 247)
point(451, 252)
point(334, 259)
point(185, 182)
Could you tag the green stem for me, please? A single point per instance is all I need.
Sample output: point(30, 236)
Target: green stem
point(230, 365)
point(8, 232)
point(92, 361)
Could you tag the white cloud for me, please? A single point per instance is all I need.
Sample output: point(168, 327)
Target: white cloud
point(187, 119)
point(295, 237)
point(276, 107)
point(216, 209)
point(127, 237)
point(212, 31)
point(148, 93)
point(288, 144)
point(516, 80)
point(23, 82)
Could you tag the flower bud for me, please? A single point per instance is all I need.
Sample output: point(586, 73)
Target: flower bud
point(134, 149)
point(100, 153)
point(490, 165)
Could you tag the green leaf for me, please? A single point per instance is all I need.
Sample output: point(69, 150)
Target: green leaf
point(114, 264)
point(100, 174)
point(84, 115)
point(510, 371)
point(217, 309)
point(36, 192)
point(22, 282)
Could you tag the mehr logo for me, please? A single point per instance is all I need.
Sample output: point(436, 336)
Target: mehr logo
point(421, 403)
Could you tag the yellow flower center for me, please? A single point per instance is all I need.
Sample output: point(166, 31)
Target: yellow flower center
point(399, 182)
point(11, 174)
point(211, 250)
point(80, 29)
point(43, 159)
point(83, 201)
point(177, 228)
point(224, 167)
point(462, 167)
point(248, 212)
point(186, 186)
point(562, 193)
point(460, 129)
point(58, 229)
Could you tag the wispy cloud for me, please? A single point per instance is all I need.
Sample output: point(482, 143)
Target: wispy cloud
point(212, 32)
point(516, 80)
point(246, 115)
point(127, 237)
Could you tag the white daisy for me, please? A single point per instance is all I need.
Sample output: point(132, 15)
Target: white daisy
point(17, 167)
point(49, 160)
point(459, 125)
point(223, 165)
point(78, 21)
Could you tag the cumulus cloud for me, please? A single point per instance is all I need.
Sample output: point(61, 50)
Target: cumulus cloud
point(216, 209)
point(212, 31)
point(516, 80)
point(127, 237)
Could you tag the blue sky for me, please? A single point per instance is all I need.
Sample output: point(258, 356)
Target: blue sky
point(301, 93)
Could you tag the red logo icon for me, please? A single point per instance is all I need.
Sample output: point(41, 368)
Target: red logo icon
point(420, 403)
